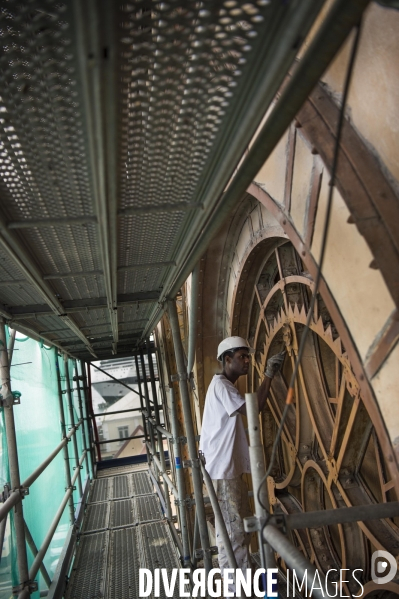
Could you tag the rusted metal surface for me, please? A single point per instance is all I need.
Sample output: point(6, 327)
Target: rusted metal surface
point(340, 324)
point(330, 454)
point(371, 200)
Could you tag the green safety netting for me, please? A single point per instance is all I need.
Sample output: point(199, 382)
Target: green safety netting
point(38, 427)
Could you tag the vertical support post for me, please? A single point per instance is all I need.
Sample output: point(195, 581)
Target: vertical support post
point(146, 437)
point(188, 420)
point(147, 402)
point(82, 418)
point(3, 526)
point(72, 423)
point(11, 343)
point(90, 440)
point(63, 435)
point(179, 478)
point(93, 419)
point(12, 449)
point(195, 542)
point(158, 421)
point(258, 470)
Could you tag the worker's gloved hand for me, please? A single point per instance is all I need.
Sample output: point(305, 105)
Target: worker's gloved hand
point(274, 364)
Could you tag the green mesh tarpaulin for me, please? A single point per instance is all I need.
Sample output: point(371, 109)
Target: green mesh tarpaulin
point(38, 426)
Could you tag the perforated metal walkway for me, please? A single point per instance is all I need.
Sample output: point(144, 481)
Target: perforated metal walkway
point(123, 530)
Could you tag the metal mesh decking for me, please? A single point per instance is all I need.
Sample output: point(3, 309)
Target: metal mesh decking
point(99, 491)
point(120, 487)
point(159, 551)
point(122, 513)
point(89, 569)
point(96, 517)
point(141, 484)
point(110, 472)
point(123, 530)
point(124, 564)
point(147, 508)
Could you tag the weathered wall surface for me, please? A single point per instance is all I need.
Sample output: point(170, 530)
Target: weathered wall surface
point(374, 94)
point(295, 183)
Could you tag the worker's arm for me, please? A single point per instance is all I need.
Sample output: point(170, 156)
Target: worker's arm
point(273, 365)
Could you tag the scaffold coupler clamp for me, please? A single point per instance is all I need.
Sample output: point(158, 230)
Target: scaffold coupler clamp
point(195, 463)
point(188, 501)
point(10, 399)
point(199, 553)
point(192, 380)
point(255, 523)
point(179, 377)
point(24, 491)
point(5, 493)
point(31, 585)
point(182, 440)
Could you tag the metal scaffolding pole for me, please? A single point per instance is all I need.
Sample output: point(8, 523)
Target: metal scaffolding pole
point(16, 495)
point(3, 526)
point(50, 533)
point(113, 378)
point(295, 560)
point(8, 404)
point(92, 412)
point(188, 420)
point(72, 423)
point(231, 558)
point(141, 399)
point(11, 343)
point(90, 425)
point(179, 478)
point(258, 470)
point(81, 416)
point(159, 434)
point(63, 435)
point(34, 550)
point(147, 402)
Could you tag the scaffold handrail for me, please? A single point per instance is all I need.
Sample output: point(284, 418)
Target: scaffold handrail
point(16, 495)
point(7, 506)
point(36, 473)
point(53, 527)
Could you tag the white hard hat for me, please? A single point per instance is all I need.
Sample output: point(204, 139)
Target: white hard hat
point(231, 343)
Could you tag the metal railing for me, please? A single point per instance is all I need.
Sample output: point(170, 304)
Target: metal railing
point(14, 499)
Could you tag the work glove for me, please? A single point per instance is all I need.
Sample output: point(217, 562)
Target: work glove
point(274, 364)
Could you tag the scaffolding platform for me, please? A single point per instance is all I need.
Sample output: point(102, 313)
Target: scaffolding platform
point(123, 530)
point(116, 470)
point(120, 486)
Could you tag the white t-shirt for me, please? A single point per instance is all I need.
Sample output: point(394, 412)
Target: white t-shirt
point(223, 440)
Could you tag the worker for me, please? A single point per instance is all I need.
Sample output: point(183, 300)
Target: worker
point(225, 446)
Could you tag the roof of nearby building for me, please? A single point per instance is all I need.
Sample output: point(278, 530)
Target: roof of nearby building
point(130, 400)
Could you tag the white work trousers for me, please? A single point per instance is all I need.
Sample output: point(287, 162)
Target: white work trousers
point(232, 495)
